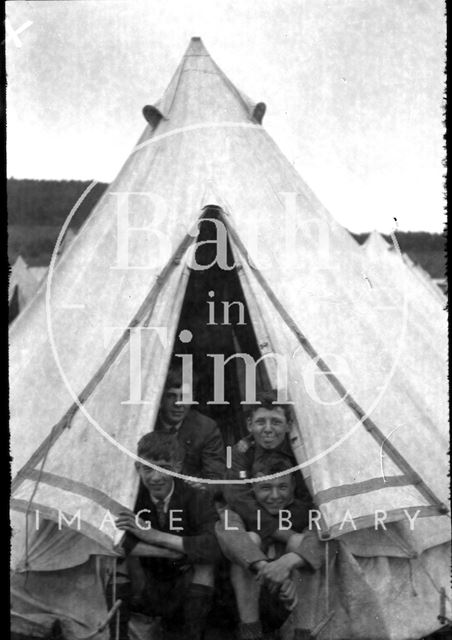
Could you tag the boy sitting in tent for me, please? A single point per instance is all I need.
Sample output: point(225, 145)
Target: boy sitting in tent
point(268, 423)
point(173, 535)
point(198, 435)
point(264, 568)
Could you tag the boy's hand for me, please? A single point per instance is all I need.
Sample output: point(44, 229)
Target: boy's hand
point(294, 541)
point(288, 595)
point(256, 568)
point(283, 535)
point(128, 521)
point(277, 572)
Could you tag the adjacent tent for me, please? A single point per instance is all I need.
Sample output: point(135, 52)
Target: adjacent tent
point(22, 286)
point(25, 281)
point(39, 273)
point(389, 256)
point(366, 368)
point(432, 284)
point(441, 283)
point(67, 240)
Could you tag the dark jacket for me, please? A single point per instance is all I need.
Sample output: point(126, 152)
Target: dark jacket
point(240, 497)
point(297, 513)
point(197, 518)
point(203, 445)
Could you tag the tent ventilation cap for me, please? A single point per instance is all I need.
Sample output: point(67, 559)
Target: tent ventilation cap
point(152, 115)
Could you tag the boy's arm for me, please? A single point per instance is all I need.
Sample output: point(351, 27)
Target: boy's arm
point(303, 550)
point(143, 549)
point(309, 548)
point(201, 546)
point(278, 571)
point(240, 497)
point(300, 539)
point(297, 516)
point(139, 535)
point(162, 539)
point(235, 542)
point(213, 456)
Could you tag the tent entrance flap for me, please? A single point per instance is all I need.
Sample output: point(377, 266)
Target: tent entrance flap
point(215, 327)
point(178, 299)
point(433, 506)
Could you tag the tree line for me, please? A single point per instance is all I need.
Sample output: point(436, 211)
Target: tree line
point(38, 208)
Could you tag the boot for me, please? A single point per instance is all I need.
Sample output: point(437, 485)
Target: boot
point(197, 605)
point(250, 631)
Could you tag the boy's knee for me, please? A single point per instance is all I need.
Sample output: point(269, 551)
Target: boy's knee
point(204, 574)
point(294, 542)
point(255, 537)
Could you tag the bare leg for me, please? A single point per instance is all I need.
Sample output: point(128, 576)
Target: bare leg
point(204, 574)
point(247, 591)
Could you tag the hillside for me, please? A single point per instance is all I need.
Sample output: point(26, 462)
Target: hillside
point(38, 208)
point(36, 211)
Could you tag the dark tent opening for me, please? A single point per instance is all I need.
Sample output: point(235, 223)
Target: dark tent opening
point(214, 310)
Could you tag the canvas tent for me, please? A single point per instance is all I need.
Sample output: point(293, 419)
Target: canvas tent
point(367, 381)
point(441, 283)
point(22, 286)
point(66, 241)
point(432, 284)
point(389, 257)
point(39, 273)
point(24, 281)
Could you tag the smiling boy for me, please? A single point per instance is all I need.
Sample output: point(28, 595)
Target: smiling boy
point(172, 533)
point(265, 603)
point(268, 423)
point(198, 435)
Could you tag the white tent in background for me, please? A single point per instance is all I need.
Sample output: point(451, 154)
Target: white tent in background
point(67, 240)
point(368, 384)
point(430, 283)
point(22, 286)
point(441, 283)
point(400, 264)
point(39, 273)
point(25, 281)
point(393, 271)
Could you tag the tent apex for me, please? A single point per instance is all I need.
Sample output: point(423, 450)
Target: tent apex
point(376, 242)
point(196, 47)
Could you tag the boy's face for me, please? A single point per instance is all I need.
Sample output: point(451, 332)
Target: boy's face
point(275, 494)
point(158, 484)
point(268, 426)
point(171, 412)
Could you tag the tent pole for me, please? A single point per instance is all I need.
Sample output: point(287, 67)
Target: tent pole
point(145, 308)
point(367, 423)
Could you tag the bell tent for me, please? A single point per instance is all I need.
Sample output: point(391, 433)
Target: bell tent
point(206, 217)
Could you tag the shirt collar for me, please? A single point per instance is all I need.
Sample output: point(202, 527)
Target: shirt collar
point(166, 500)
point(170, 428)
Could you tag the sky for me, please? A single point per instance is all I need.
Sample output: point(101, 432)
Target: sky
point(353, 88)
